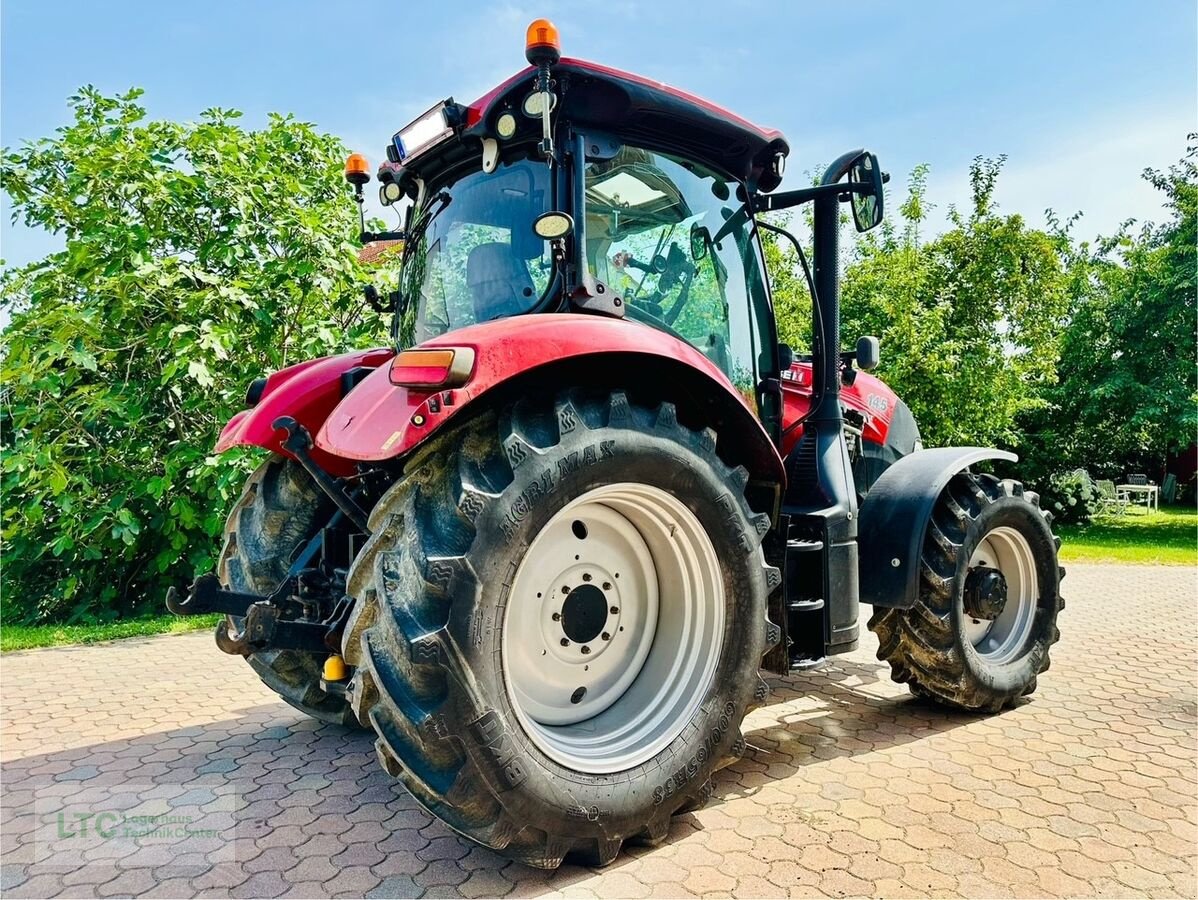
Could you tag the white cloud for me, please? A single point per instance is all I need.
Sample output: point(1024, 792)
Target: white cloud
point(1093, 166)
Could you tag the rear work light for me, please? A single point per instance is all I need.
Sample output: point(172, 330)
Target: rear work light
point(431, 128)
point(433, 368)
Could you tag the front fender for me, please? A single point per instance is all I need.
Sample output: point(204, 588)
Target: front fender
point(307, 392)
point(893, 520)
point(381, 421)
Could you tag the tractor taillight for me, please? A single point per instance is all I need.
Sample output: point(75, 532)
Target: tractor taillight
point(433, 368)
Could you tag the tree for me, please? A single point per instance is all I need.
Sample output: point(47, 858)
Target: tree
point(1126, 392)
point(969, 322)
point(197, 257)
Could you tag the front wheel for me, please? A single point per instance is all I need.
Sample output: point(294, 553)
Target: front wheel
point(980, 631)
point(561, 615)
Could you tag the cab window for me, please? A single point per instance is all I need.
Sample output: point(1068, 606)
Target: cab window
point(670, 237)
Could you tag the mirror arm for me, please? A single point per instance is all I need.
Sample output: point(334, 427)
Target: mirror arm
point(841, 166)
point(788, 199)
point(367, 236)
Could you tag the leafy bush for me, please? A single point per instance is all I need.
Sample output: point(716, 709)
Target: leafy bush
point(969, 321)
point(197, 256)
point(1072, 497)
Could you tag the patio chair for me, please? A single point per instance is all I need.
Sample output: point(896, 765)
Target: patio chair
point(1137, 480)
point(1169, 488)
point(1110, 499)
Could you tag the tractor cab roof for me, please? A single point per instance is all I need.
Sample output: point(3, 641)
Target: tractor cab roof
point(639, 111)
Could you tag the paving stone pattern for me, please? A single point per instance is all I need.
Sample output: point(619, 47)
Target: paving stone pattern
point(849, 787)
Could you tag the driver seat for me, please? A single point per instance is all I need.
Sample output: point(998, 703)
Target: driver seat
point(499, 282)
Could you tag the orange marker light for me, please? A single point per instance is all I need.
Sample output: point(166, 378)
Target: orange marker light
point(542, 44)
point(357, 169)
point(433, 368)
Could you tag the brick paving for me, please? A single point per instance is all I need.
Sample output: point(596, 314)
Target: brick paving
point(849, 786)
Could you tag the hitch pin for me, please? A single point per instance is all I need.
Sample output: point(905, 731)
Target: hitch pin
point(298, 443)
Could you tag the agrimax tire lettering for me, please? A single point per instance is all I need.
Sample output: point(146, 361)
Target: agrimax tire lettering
point(495, 751)
point(729, 509)
point(692, 766)
point(543, 484)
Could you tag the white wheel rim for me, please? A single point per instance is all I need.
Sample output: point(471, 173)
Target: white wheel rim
point(1004, 638)
point(643, 554)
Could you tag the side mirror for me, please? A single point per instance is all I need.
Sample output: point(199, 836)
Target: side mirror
point(868, 353)
point(700, 241)
point(867, 198)
point(786, 357)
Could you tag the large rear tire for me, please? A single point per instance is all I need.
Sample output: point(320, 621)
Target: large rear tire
point(279, 511)
point(561, 613)
point(986, 616)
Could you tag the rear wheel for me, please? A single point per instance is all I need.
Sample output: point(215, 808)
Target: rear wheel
point(279, 511)
point(561, 615)
point(980, 631)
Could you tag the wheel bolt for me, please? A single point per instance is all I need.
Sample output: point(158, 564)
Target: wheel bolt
point(615, 610)
point(586, 649)
point(607, 585)
point(565, 589)
point(557, 617)
point(586, 576)
point(606, 636)
point(565, 642)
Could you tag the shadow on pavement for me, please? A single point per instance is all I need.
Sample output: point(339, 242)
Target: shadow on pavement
point(305, 807)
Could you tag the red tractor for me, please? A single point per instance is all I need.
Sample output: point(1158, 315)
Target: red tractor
point(544, 544)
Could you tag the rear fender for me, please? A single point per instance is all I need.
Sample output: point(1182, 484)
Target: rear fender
point(893, 520)
point(380, 421)
point(307, 392)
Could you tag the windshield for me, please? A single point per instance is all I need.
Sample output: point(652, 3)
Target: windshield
point(471, 254)
point(664, 233)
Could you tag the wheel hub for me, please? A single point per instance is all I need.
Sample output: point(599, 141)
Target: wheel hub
point(584, 614)
point(1001, 596)
point(985, 593)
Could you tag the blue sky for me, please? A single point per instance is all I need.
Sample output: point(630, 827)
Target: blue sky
point(1080, 96)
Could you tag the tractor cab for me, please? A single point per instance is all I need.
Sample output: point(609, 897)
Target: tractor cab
point(573, 187)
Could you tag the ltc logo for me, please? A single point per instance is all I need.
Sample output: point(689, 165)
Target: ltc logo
point(104, 824)
point(497, 750)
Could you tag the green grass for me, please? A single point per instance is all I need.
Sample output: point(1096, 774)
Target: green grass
point(1168, 537)
point(26, 637)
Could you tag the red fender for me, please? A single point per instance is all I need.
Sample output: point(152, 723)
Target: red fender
point(377, 421)
point(307, 392)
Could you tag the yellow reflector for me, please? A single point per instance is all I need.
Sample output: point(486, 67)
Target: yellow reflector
point(334, 668)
